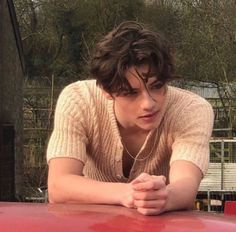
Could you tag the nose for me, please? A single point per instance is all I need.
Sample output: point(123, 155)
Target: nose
point(148, 103)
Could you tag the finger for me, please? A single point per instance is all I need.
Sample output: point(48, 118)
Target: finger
point(150, 195)
point(141, 178)
point(163, 178)
point(157, 204)
point(149, 211)
point(153, 184)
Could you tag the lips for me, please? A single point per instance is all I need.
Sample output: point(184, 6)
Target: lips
point(149, 116)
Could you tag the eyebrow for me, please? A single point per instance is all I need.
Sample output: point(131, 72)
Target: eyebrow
point(156, 81)
point(151, 84)
point(149, 74)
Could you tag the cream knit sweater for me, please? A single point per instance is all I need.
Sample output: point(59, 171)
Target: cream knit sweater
point(85, 128)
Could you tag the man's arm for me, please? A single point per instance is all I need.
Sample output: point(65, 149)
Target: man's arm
point(66, 184)
point(185, 178)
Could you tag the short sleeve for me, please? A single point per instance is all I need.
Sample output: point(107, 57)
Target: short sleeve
point(193, 129)
point(68, 138)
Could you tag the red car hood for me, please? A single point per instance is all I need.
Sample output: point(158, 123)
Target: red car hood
point(25, 217)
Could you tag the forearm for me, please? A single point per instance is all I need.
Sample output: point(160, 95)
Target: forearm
point(181, 194)
point(74, 188)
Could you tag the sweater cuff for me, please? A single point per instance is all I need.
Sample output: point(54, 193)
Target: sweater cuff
point(77, 151)
point(198, 157)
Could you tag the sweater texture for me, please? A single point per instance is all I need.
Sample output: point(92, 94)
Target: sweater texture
point(85, 128)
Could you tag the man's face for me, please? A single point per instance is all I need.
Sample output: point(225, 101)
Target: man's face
point(140, 109)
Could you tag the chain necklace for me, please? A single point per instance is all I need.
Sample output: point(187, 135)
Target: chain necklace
point(136, 157)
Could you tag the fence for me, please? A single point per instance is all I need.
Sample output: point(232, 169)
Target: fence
point(221, 174)
point(219, 184)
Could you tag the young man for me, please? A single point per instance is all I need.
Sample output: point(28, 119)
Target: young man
point(127, 138)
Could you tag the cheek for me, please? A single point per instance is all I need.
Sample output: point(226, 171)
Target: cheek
point(160, 99)
point(129, 109)
point(162, 96)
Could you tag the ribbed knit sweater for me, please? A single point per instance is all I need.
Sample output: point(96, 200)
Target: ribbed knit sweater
point(85, 128)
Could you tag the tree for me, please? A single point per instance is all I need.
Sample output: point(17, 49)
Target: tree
point(58, 35)
point(208, 48)
point(209, 45)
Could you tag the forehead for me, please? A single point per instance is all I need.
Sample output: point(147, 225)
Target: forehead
point(140, 74)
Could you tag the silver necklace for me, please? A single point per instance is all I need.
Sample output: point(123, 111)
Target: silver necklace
point(136, 157)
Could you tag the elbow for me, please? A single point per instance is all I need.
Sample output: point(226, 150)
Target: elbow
point(55, 194)
point(190, 205)
point(189, 202)
point(52, 199)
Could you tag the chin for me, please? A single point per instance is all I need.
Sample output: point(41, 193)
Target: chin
point(147, 127)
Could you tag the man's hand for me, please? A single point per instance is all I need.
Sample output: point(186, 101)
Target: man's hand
point(126, 196)
point(149, 194)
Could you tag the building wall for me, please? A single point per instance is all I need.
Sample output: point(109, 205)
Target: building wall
point(11, 85)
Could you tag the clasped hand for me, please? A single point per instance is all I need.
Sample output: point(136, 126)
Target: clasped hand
point(148, 194)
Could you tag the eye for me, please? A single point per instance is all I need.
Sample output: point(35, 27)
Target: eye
point(158, 85)
point(129, 93)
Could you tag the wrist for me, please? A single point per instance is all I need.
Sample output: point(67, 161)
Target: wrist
point(125, 195)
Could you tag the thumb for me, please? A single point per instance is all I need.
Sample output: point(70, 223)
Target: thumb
point(141, 178)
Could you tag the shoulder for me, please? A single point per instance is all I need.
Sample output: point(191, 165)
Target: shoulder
point(80, 88)
point(185, 95)
point(187, 109)
point(77, 96)
point(80, 91)
point(181, 100)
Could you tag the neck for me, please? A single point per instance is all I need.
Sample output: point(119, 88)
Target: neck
point(129, 130)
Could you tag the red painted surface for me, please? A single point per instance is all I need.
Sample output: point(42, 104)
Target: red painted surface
point(230, 208)
point(24, 217)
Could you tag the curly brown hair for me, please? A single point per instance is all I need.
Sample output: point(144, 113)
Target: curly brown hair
point(130, 44)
